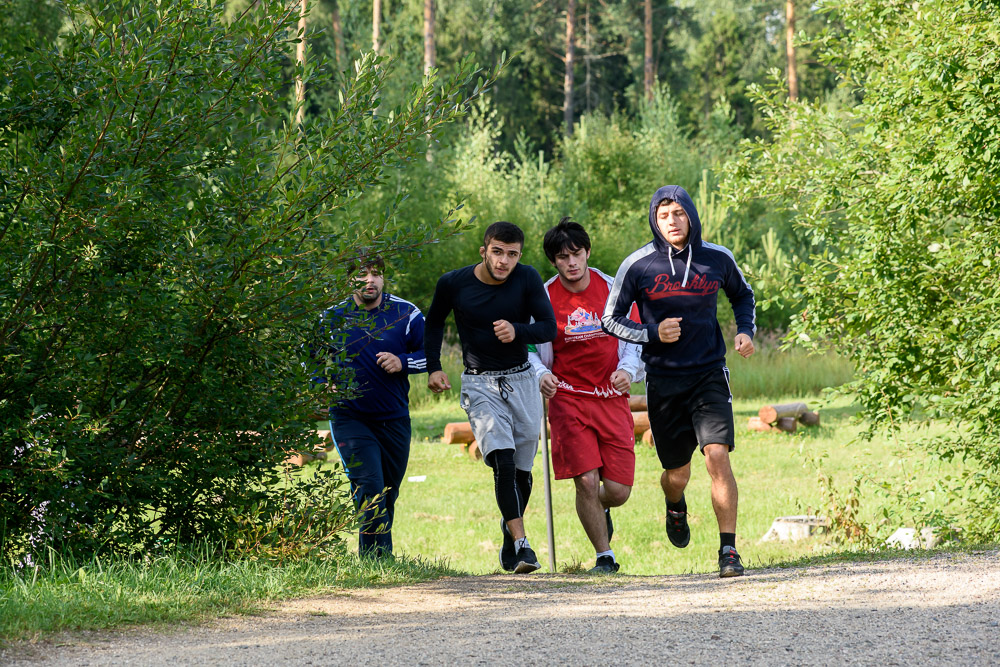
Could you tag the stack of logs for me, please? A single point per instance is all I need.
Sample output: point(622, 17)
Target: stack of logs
point(461, 432)
point(785, 417)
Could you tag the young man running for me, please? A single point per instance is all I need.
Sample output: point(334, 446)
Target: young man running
point(494, 303)
point(675, 281)
point(586, 376)
point(382, 337)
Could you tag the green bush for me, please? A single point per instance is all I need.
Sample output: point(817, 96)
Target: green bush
point(167, 238)
point(901, 194)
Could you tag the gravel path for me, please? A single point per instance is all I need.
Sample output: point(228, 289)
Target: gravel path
point(938, 610)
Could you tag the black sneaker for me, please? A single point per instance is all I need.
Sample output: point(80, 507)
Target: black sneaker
point(729, 563)
point(677, 528)
point(611, 524)
point(605, 565)
point(526, 561)
point(508, 555)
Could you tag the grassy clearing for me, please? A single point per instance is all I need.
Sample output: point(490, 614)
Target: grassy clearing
point(63, 594)
point(452, 515)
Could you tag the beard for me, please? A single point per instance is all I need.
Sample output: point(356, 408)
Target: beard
point(369, 297)
point(489, 270)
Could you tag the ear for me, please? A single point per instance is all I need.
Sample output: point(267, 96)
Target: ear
point(482, 251)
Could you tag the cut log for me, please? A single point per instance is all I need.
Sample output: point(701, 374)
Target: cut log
point(647, 438)
point(318, 452)
point(474, 452)
point(758, 424)
point(786, 424)
point(640, 421)
point(772, 413)
point(809, 418)
point(637, 403)
point(458, 433)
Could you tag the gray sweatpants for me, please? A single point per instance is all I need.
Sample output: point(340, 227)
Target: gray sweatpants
point(505, 413)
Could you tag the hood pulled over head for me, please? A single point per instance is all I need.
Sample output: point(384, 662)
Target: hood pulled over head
point(677, 194)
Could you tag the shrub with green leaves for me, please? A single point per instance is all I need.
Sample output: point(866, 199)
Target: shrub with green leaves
point(168, 237)
point(903, 192)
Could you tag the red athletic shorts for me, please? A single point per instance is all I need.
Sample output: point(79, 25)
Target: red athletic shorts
point(590, 434)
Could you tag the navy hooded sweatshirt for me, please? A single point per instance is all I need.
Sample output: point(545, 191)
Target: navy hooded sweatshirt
point(666, 282)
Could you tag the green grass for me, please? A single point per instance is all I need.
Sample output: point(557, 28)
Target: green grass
point(62, 594)
point(452, 515)
point(448, 524)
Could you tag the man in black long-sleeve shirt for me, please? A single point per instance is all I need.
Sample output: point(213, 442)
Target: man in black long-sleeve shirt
point(500, 308)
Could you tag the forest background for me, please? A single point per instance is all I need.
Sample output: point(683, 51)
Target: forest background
point(161, 276)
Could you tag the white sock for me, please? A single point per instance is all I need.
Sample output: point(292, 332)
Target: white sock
point(609, 552)
point(521, 543)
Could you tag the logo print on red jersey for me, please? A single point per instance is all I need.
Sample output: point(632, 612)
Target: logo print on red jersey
point(582, 322)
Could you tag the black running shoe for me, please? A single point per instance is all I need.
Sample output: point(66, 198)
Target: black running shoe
point(526, 561)
point(677, 528)
point(605, 565)
point(611, 524)
point(508, 555)
point(729, 563)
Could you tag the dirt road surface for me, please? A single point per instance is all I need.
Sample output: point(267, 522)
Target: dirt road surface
point(937, 610)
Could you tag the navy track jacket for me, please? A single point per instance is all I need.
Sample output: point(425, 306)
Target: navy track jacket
point(395, 326)
point(665, 282)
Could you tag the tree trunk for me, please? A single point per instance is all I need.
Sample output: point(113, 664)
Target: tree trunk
point(338, 36)
point(648, 58)
point(376, 21)
point(587, 56)
point(793, 76)
point(568, 78)
point(430, 56)
point(300, 59)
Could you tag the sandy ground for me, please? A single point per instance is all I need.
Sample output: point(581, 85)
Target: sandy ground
point(939, 610)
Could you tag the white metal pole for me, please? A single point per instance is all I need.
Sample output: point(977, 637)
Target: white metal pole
point(548, 486)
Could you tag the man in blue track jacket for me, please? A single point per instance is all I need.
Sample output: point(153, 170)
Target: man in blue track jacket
point(382, 337)
point(675, 280)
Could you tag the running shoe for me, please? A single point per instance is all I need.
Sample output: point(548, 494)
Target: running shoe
point(526, 561)
point(605, 565)
point(611, 524)
point(729, 563)
point(508, 555)
point(677, 528)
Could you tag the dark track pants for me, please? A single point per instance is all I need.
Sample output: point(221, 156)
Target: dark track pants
point(374, 453)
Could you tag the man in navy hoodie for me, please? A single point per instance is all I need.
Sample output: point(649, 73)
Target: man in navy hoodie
point(675, 281)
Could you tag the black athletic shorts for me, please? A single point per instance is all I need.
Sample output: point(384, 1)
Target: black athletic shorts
point(689, 411)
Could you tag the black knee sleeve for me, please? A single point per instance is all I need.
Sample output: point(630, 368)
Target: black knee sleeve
point(505, 483)
point(523, 488)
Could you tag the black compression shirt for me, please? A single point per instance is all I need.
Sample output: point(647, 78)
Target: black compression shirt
point(477, 306)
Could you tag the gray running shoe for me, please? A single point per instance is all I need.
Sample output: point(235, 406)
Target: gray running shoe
point(526, 561)
point(605, 565)
point(611, 524)
point(508, 555)
point(729, 563)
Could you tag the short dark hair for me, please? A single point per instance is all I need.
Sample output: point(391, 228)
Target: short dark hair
point(364, 259)
point(567, 235)
point(504, 232)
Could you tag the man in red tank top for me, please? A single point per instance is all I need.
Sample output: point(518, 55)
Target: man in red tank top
point(586, 375)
